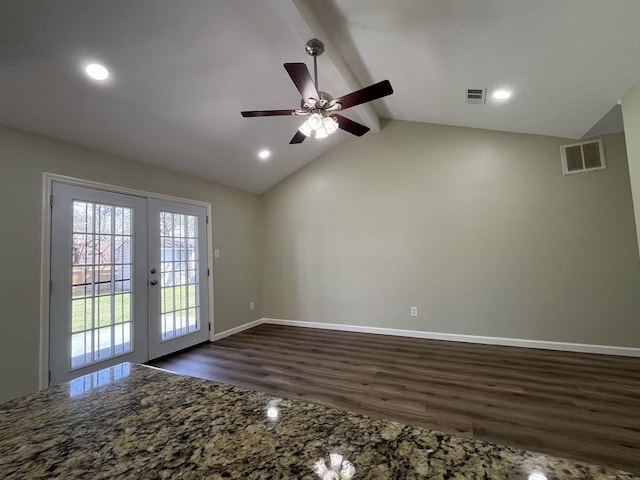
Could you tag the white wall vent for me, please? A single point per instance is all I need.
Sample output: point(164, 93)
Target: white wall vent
point(476, 96)
point(583, 157)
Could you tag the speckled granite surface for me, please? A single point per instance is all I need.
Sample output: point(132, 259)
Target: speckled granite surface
point(138, 422)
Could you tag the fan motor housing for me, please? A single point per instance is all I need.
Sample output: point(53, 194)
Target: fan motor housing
point(325, 99)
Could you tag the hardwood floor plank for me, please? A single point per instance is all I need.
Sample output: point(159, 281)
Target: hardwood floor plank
point(581, 406)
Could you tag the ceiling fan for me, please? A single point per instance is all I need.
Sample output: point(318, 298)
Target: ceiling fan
point(320, 107)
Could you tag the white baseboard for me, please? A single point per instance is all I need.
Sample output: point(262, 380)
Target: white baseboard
point(455, 337)
point(233, 331)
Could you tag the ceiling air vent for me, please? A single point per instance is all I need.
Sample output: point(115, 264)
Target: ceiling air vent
point(583, 157)
point(476, 96)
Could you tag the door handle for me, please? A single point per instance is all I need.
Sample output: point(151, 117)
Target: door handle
point(153, 282)
point(153, 270)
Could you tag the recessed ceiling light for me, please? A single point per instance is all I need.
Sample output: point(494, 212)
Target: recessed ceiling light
point(97, 71)
point(502, 94)
point(264, 154)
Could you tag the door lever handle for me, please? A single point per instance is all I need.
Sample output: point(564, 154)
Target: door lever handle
point(153, 282)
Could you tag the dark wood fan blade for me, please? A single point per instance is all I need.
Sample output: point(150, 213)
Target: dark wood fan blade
point(300, 75)
point(298, 137)
point(350, 126)
point(366, 94)
point(267, 113)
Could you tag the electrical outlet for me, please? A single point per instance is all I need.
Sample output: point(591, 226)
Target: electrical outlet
point(414, 311)
point(252, 305)
point(216, 253)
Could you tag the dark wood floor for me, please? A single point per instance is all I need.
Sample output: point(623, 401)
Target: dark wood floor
point(580, 406)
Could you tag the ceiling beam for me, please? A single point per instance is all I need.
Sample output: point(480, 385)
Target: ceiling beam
point(340, 67)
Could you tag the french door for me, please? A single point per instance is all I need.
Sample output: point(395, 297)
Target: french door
point(178, 288)
point(128, 279)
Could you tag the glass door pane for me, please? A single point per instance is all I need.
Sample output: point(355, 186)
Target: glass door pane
point(101, 282)
point(179, 295)
point(98, 278)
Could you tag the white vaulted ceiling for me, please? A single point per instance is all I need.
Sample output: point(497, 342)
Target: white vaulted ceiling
point(183, 71)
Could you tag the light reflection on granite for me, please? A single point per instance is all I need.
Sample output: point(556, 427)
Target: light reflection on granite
point(153, 424)
point(100, 378)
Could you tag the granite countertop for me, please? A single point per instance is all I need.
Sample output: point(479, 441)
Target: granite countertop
point(133, 421)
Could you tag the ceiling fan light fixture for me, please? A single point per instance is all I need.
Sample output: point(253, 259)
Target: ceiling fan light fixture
point(330, 124)
point(322, 132)
point(305, 129)
point(318, 126)
point(315, 121)
point(319, 105)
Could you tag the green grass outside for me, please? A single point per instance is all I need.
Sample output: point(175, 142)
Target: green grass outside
point(169, 304)
point(172, 298)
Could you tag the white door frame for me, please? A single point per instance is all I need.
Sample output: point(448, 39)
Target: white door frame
point(45, 252)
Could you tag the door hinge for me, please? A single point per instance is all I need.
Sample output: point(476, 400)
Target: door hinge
point(207, 218)
point(209, 326)
point(50, 201)
point(49, 379)
point(208, 272)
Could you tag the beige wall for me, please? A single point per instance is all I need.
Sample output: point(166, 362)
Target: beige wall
point(479, 229)
point(631, 115)
point(23, 159)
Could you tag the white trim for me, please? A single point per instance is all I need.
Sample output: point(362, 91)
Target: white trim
point(45, 252)
point(241, 328)
point(210, 269)
point(54, 177)
point(455, 337)
point(45, 282)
